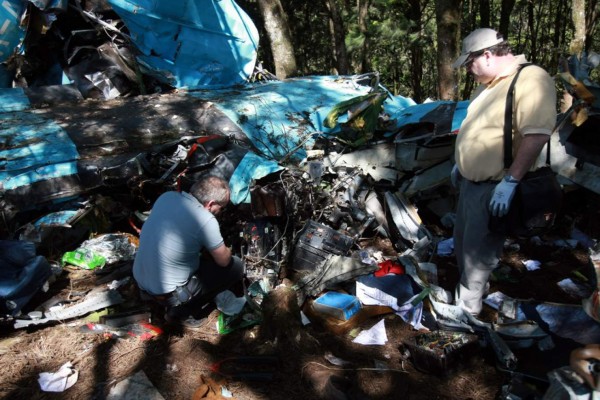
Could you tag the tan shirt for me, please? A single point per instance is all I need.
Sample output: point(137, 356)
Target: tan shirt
point(479, 144)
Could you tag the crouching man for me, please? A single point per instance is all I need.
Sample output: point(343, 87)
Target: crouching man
point(182, 261)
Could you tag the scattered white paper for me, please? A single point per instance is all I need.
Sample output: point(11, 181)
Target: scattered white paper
point(304, 318)
point(226, 392)
point(117, 284)
point(495, 299)
point(441, 295)
point(336, 360)
point(532, 265)
point(228, 304)
point(445, 247)
point(375, 336)
point(137, 386)
point(372, 296)
point(60, 380)
point(573, 288)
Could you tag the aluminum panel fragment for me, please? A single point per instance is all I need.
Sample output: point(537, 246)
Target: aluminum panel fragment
point(192, 43)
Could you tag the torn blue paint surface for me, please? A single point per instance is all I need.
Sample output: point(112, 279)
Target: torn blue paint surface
point(281, 118)
point(252, 167)
point(50, 4)
point(13, 99)
point(194, 43)
point(427, 112)
point(41, 173)
point(34, 149)
point(11, 34)
point(58, 218)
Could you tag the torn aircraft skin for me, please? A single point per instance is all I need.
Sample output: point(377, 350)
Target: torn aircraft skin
point(575, 150)
point(282, 119)
point(12, 35)
point(69, 156)
point(196, 44)
point(444, 116)
point(22, 23)
point(47, 155)
point(275, 123)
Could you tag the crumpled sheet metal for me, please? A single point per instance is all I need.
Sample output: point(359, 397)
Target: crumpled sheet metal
point(447, 114)
point(13, 29)
point(92, 302)
point(196, 44)
point(37, 148)
point(252, 167)
point(566, 165)
point(281, 117)
point(405, 218)
point(334, 270)
point(12, 34)
point(13, 99)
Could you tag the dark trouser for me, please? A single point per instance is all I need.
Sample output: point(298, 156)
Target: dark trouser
point(210, 280)
point(477, 249)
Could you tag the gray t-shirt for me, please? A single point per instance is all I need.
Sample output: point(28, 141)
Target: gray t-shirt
point(172, 237)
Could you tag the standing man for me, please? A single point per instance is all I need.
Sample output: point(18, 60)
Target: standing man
point(182, 261)
point(485, 187)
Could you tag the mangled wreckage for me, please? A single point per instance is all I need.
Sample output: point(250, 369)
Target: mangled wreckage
point(326, 172)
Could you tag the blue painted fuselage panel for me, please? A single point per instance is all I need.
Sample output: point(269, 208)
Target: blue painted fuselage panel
point(192, 43)
point(32, 147)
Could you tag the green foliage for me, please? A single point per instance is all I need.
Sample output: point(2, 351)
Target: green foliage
point(401, 35)
point(354, 40)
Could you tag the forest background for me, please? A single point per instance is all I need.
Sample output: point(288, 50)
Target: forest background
point(411, 44)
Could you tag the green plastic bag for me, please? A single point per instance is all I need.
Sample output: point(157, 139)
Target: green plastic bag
point(229, 323)
point(83, 258)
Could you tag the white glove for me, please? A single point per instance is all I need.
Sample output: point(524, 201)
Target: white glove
point(455, 177)
point(502, 196)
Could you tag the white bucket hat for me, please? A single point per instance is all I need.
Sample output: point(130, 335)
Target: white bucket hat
point(477, 40)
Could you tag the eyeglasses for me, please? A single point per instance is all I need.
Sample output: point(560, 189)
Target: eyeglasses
point(472, 57)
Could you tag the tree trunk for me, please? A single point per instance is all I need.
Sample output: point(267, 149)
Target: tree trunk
point(558, 22)
point(472, 13)
point(578, 14)
point(591, 20)
point(415, 15)
point(484, 13)
point(336, 27)
point(505, 11)
point(448, 38)
point(532, 22)
point(276, 25)
point(363, 25)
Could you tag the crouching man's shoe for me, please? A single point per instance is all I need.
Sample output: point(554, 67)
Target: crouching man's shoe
point(188, 323)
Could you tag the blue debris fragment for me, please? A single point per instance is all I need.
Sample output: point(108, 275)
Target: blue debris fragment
point(12, 35)
point(195, 44)
point(22, 274)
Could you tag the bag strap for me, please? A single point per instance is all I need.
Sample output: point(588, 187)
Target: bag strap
point(508, 113)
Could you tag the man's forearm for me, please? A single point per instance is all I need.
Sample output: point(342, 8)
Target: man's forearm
point(528, 152)
point(222, 255)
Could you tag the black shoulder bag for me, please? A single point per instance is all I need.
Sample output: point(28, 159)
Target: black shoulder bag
point(538, 196)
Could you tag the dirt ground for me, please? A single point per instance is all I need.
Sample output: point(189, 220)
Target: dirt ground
point(305, 366)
